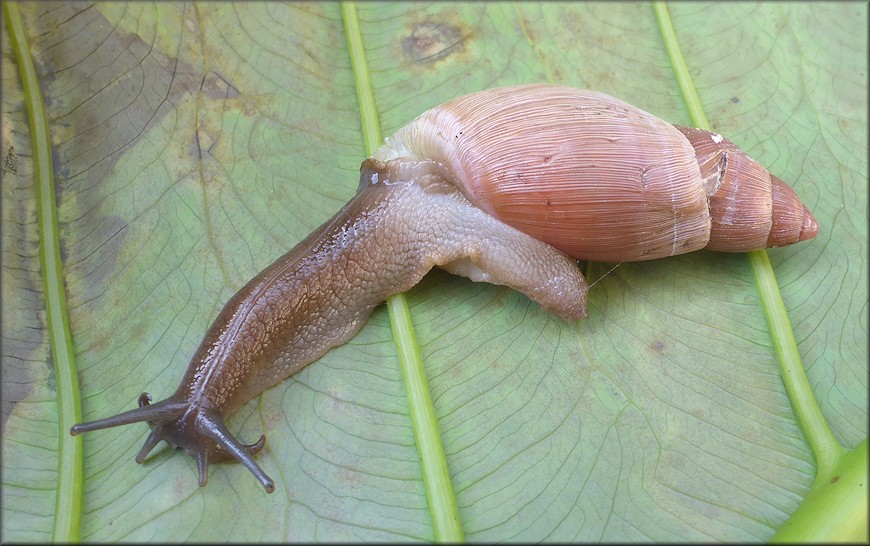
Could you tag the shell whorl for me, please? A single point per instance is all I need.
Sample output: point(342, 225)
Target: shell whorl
point(749, 207)
point(600, 179)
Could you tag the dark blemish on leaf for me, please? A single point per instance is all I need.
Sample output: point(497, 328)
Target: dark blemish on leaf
point(430, 41)
point(10, 162)
point(835, 479)
point(529, 31)
point(106, 90)
point(27, 361)
point(124, 87)
point(198, 147)
point(735, 100)
point(215, 86)
point(139, 330)
point(94, 263)
point(658, 346)
point(61, 172)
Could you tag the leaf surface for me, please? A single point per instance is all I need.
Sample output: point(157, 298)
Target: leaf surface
point(195, 143)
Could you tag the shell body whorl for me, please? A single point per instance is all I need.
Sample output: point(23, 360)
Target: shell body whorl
point(598, 178)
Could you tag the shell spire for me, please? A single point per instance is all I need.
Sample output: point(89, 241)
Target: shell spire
point(792, 220)
point(749, 208)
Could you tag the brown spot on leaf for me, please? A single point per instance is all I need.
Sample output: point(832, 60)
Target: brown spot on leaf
point(10, 162)
point(430, 41)
point(529, 30)
point(106, 89)
point(123, 88)
point(215, 86)
point(96, 255)
point(27, 361)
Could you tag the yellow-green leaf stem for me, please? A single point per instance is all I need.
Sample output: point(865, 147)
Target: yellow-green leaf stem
point(371, 127)
point(446, 524)
point(681, 69)
point(68, 500)
point(835, 509)
point(825, 448)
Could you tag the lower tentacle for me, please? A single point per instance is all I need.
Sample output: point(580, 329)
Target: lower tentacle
point(211, 426)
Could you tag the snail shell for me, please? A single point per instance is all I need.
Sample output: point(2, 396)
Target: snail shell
point(502, 186)
point(600, 179)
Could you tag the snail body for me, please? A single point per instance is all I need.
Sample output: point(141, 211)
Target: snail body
point(507, 186)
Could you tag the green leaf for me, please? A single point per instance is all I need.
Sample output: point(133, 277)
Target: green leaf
point(194, 143)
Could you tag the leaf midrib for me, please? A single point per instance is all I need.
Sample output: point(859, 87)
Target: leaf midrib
point(70, 462)
point(443, 508)
point(821, 440)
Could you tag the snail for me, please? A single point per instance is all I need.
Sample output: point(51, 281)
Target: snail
point(509, 186)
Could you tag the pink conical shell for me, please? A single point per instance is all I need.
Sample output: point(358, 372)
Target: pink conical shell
point(596, 177)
